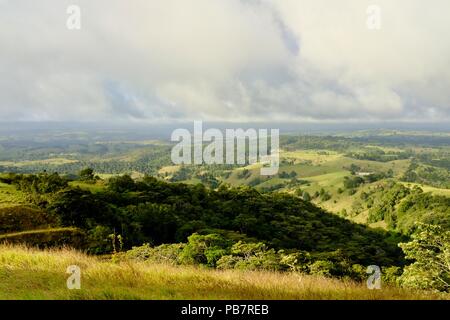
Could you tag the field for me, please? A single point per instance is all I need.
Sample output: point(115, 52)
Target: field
point(9, 196)
point(93, 187)
point(51, 161)
point(326, 170)
point(433, 190)
point(31, 274)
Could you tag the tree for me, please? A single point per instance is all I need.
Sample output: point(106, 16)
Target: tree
point(353, 182)
point(250, 256)
point(87, 174)
point(430, 250)
point(204, 249)
point(306, 196)
point(390, 173)
point(324, 195)
point(322, 268)
point(76, 207)
point(354, 168)
point(121, 183)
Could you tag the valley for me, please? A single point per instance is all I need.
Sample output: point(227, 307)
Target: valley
point(338, 204)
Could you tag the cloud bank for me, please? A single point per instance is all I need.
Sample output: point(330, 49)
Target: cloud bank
point(220, 60)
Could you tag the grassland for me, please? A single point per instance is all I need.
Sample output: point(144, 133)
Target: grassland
point(169, 169)
point(41, 274)
point(425, 188)
point(10, 196)
point(92, 187)
point(321, 169)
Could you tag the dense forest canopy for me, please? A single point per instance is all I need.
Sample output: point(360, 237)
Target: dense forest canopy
point(158, 212)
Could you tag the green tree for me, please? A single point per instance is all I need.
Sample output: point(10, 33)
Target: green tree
point(352, 182)
point(99, 242)
point(121, 183)
point(250, 256)
point(430, 250)
point(204, 249)
point(354, 168)
point(87, 174)
point(322, 268)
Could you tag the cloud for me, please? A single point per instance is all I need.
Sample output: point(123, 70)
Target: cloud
point(224, 60)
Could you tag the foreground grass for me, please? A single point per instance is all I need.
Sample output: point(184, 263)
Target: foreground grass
point(33, 274)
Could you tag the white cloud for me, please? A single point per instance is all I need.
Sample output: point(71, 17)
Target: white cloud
point(224, 60)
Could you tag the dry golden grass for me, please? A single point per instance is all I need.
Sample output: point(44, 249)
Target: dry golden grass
point(32, 274)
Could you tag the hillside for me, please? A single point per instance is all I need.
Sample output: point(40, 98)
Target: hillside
point(336, 206)
point(36, 274)
point(158, 212)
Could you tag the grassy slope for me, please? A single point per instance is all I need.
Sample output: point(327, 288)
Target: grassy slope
point(92, 187)
point(327, 170)
point(30, 232)
point(425, 188)
point(10, 196)
point(50, 161)
point(31, 274)
point(321, 170)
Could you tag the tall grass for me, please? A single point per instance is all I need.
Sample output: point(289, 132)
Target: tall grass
point(37, 274)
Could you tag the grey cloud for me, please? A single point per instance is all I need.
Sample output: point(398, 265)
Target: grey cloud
point(224, 60)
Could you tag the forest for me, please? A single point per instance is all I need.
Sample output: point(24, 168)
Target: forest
point(224, 228)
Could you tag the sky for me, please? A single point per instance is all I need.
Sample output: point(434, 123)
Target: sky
point(225, 60)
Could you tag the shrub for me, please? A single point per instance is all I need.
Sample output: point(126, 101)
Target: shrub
point(87, 175)
point(250, 256)
point(391, 275)
point(353, 182)
point(227, 262)
point(306, 196)
point(358, 272)
point(21, 218)
point(297, 261)
point(42, 183)
point(322, 268)
point(204, 249)
point(121, 184)
point(165, 253)
point(325, 196)
point(99, 241)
